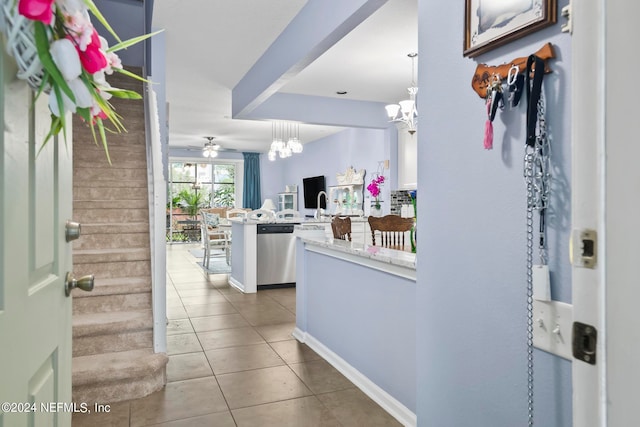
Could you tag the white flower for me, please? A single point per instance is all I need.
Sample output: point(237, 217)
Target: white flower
point(72, 6)
point(67, 104)
point(79, 27)
point(66, 58)
point(81, 93)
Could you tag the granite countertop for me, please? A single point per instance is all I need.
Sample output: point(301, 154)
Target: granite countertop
point(386, 255)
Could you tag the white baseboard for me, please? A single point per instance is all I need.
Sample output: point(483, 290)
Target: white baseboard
point(390, 404)
point(239, 286)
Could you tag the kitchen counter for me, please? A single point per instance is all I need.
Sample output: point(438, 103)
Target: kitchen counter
point(355, 306)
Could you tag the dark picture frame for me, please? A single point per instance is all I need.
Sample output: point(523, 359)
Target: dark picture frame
point(493, 23)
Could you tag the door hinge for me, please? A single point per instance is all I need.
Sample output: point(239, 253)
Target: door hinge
point(566, 13)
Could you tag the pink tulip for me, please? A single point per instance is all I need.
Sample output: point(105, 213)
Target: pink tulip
point(93, 58)
point(37, 10)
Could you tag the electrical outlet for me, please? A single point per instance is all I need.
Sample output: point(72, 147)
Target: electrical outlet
point(552, 326)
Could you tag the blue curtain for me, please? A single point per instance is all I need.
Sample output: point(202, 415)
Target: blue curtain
point(251, 195)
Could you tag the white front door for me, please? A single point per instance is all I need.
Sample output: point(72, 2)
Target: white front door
point(606, 198)
point(35, 314)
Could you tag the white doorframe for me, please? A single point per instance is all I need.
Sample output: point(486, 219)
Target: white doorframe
point(606, 198)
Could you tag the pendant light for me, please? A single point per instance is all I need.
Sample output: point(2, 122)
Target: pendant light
point(405, 111)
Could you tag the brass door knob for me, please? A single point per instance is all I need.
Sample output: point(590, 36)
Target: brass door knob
point(85, 283)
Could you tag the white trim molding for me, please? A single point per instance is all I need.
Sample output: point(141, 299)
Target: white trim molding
point(396, 409)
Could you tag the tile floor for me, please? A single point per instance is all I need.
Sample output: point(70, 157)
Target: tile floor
point(233, 362)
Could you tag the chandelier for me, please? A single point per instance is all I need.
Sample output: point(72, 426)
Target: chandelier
point(210, 149)
point(285, 140)
point(405, 111)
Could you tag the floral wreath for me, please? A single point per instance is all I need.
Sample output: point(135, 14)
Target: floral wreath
point(74, 61)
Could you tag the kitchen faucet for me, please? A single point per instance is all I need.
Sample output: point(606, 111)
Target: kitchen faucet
point(326, 199)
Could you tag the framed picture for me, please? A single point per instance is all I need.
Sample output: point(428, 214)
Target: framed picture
point(493, 23)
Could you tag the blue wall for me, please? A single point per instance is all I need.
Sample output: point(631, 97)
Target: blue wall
point(471, 299)
point(360, 148)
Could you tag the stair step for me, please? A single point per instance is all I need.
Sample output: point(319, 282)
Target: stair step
point(115, 286)
point(114, 228)
point(109, 205)
point(110, 215)
point(83, 194)
point(92, 256)
point(113, 269)
point(119, 294)
point(95, 324)
point(90, 174)
point(111, 241)
point(119, 376)
point(138, 184)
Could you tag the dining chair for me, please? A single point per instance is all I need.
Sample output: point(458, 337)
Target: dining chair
point(237, 212)
point(213, 237)
point(341, 228)
point(287, 214)
point(392, 230)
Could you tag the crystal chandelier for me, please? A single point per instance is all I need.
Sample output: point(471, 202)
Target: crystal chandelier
point(405, 111)
point(210, 149)
point(285, 140)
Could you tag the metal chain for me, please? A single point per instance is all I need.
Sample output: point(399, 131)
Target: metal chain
point(537, 175)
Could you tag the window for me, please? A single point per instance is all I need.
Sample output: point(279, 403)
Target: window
point(194, 186)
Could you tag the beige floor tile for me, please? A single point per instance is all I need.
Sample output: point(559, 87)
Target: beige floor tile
point(242, 389)
point(178, 400)
point(187, 277)
point(201, 310)
point(198, 292)
point(229, 338)
point(220, 419)
point(255, 298)
point(259, 315)
point(174, 302)
point(188, 366)
point(179, 326)
point(118, 416)
point(305, 411)
point(354, 408)
point(194, 283)
point(215, 323)
point(174, 313)
point(293, 351)
point(279, 332)
point(183, 343)
point(320, 376)
point(244, 358)
point(209, 298)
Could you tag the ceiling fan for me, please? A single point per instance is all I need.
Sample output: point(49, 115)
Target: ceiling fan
point(209, 150)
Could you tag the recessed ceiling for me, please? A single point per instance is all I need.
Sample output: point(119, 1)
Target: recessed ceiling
point(211, 48)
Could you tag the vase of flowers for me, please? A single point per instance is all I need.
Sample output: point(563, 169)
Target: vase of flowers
point(374, 189)
point(60, 53)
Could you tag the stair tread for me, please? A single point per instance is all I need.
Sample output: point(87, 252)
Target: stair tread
point(111, 367)
point(107, 251)
point(116, 286)
point(111, 322)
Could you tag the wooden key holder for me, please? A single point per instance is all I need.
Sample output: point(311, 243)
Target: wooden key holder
point(485, 74)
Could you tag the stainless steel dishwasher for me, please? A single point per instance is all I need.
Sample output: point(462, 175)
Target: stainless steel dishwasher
point(276, 254)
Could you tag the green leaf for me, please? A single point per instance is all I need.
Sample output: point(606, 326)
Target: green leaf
point(124, 94)
point(132, 75)
point(42, 45)
point(104, 139)
point(94, 9)
point(85, 113)
point(60, 102)
point(125, 44)
point(55, 128)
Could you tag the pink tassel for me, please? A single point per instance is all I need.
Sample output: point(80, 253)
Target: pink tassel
point(488, 128)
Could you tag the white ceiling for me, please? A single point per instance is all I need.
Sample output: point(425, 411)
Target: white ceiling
point(208, 52)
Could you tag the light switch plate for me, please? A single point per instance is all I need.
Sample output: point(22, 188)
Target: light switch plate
point(552, 326)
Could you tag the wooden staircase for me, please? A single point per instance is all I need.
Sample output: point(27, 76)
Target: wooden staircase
point(113, 358)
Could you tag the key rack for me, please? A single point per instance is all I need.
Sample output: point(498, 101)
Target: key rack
point(485, 74)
